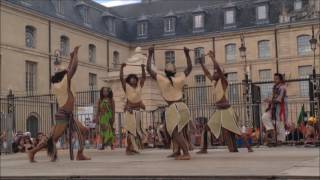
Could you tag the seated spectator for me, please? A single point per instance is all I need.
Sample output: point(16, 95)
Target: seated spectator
point(4, 142)
point(39, 138)
point(310, 134)
point(16, 141)
point(295, 134)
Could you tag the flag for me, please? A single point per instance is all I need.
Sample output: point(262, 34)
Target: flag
point(301, 116)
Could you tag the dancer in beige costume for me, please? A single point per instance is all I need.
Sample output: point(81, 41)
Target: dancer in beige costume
point(177, 113)
point(132, 87)
point(65, 95)
point(224, 120)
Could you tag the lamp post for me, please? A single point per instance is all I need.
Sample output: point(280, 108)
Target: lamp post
point(313, 46)
point(243, 56)
point(57, 59)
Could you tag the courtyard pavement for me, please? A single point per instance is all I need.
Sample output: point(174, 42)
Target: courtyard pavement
point(293, 162)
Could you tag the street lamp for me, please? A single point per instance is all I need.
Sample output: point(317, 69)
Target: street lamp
point(242, 50)
point(57, 60)
point(313, 45)
point(243, 56)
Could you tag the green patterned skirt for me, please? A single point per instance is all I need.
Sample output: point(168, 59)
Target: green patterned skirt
point(106, 130)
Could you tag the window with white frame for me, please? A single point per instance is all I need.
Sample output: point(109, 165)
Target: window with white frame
point(266, 88)
point(111, 24)
point(200, 79)
point(93, 86)
point(30, 36)
point(201, 92)
point(198, 53)
point(198, 21)
point(297, 5)
point(263, 49)
point(92, 53)
point(233, 90)
point(170, 57)
point(92, 81)
point(31, 77)
point(142, 29)
point(169, 24)
point(64, 46)
point(84, 13)
point(116, 59)
point(262, 12)
point(229, 17)
point(230, 51)
point(304, 72)
point(303, 43)
point(58, 6)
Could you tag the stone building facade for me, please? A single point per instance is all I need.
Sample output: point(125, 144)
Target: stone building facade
point(277, 34)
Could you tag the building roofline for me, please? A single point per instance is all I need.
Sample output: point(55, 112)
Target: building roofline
point(65, 23)
point(248, 30)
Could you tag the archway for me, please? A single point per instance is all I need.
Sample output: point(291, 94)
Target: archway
point(32, 125)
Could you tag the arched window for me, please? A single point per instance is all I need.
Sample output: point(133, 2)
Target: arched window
point(92, 53)
point(303, 45)
point(64, 45)
point(230, 50)
point(32, 125)
point(116, 61)
point(263, 49)
point(30, 36)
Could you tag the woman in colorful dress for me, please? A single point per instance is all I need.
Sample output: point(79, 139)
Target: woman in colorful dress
point(105, 117)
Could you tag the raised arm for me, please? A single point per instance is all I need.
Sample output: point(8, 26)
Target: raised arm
point(205, 70)
point(72, 68)
point(187, 71)
point(217, 72)
point(143, 78)
point(152, 73)
point(123, 82)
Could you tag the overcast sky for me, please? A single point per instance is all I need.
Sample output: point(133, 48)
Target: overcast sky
point(111, 3)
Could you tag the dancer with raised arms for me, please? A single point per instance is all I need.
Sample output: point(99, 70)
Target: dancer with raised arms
point(132, 87)
point(224, 120)
point(177, 114)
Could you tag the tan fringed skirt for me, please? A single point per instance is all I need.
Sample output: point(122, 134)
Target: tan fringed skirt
point(177, 114)
point(133, 123)
point(225, 118)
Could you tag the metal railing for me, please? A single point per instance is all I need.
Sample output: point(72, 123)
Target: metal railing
point(36, 113)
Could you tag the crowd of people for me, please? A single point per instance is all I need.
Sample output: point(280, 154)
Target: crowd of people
point(21, 142)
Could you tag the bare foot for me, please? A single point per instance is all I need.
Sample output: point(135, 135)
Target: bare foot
point(191, 147)
point(202, 151)
point(54, 158)
point(183, 157)
point(173, 155)
point(31, 157)
point(82, 157)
